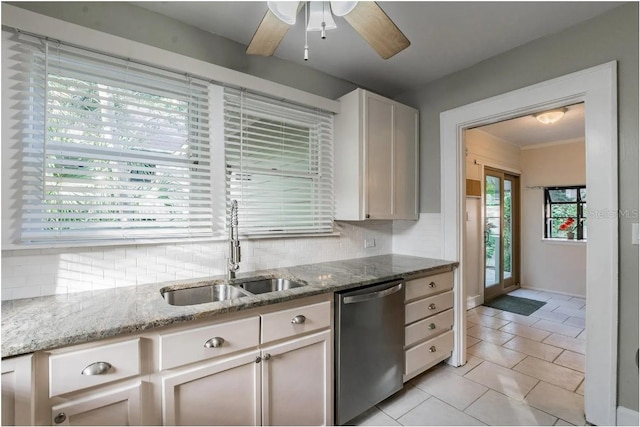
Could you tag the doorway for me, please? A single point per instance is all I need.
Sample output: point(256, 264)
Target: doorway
point(501, 233)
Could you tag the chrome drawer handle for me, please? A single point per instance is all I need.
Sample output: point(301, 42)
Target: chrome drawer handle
point(97, 368)
point(432, 349)
point(432, 307)
point(432, 326)
point(432, 284)
point(60, 418)
point(214, 342)
point(299, 319)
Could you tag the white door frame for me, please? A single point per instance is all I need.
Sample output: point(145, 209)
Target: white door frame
point(597, 88)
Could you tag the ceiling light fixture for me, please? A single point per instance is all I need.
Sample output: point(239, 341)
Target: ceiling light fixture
point(551, 116)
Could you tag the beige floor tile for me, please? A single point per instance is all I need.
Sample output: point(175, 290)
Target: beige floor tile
point(472, 341)
point(562, 423)
point(548, 296)
point(550, 315)
point(558, 328)
point(495, 409)
point(502, 380)
point(583, 335)
point(472, 362)
point(490, 335)
point(528, 332)
point(550, 372)
point(571, 360)
point(580, 389)
point(574, 344)
point(434, 412)
point(569, 311)
point(373, 417)
point(529, 293)
point(518, 318)
point(487, 311)
point(496, 354)
point(452, 389)
point(558, 402)
point(578, 322)
point(403, 401)
point(576, 303)
point(560, 297)
point(487, 321)
point(534, 348)
point(579, 300)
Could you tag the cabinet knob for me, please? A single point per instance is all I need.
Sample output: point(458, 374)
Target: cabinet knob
point(431, 326)
point(266, 357)
point(60, 418)
point(214, 342)
point(432, 306)
point(258, 359)
point(97, 368)
point(432, 284)
point(367, 216)
point(432, 349)
point(299, 319)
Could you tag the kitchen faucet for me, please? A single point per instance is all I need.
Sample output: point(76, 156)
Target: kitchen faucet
point(234, 243)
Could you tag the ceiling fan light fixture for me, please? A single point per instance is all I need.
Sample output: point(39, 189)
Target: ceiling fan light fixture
point(320, 18)
point(341, 8)
point(286, 11)
point(550, 116)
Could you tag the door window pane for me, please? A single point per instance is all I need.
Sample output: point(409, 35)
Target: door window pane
point(492, 230)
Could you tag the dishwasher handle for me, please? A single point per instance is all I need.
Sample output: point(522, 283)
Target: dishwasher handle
point(373, 295)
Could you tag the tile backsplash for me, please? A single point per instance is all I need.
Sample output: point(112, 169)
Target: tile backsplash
point(39, 272)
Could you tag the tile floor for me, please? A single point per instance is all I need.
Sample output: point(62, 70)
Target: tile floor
point(521, 370)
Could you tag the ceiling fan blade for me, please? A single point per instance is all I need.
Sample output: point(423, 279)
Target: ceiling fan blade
point(368, 19)
point(268, 36)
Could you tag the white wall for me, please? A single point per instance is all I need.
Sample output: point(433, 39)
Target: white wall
point(556, 266)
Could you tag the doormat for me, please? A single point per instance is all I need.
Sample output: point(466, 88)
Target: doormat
point(524, 306)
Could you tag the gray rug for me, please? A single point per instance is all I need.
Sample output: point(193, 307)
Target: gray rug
point(524, 306)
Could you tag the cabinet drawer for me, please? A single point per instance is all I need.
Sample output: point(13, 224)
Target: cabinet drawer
point(425, 286)
point(101, 365)
point(193, 345)
point(426, 307)
point(282, 324)
point(428, 353)
point(427, 328)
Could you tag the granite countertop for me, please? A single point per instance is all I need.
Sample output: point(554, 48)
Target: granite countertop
point(44, 323)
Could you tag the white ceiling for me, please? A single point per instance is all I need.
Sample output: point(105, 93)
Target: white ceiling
point(445, 36)
point(527, 130)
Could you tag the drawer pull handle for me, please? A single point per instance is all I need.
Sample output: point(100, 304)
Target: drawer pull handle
point(432, 349)
point(432, 306)
point(258, 359)
point(214, 342)
point(299, 319)
point(60, 418)
point(432, 284)
point(432, 326)
point(97, 368)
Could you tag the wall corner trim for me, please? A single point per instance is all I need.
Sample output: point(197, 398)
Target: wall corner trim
point(627, 417)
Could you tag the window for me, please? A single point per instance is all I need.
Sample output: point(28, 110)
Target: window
point(112, 149)
point(565, 212)
point(278, 158)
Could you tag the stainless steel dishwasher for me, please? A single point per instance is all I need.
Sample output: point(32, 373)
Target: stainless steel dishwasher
point(369, 342)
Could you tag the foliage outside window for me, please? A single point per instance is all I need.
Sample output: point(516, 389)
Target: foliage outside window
point(562, 205)
point(112, 149)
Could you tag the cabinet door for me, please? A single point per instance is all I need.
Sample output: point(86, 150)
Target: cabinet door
point(297, 386)
point(405, 162)
point(115, 407)
point(225, 392)
point(17, 392)
point(378, 149)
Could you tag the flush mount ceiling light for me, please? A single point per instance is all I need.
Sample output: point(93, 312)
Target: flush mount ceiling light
point(366, 17)
point(551, 116)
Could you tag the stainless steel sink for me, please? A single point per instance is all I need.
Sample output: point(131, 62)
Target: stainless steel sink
point(202, 294)
point(261, 286)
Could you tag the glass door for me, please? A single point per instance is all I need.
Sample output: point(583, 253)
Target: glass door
point(501, 232)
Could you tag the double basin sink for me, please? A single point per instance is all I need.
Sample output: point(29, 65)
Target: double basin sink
point(223, 292)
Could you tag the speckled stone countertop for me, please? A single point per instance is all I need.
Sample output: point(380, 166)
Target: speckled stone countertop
point(44, 323)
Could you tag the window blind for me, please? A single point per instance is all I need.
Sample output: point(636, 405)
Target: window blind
point(278, 159)
point(111, 149)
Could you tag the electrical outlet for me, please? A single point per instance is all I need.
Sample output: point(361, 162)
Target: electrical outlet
point(635, 234)
point(369, 243)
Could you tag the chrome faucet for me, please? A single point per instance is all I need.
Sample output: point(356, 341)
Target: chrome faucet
point(234, 243)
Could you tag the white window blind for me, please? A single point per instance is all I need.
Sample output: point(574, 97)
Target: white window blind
point(279, 165)
point(112, 149)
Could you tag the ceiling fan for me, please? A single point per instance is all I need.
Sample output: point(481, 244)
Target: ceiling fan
point(366, 17)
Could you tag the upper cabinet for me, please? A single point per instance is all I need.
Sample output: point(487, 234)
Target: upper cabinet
point(376, 158)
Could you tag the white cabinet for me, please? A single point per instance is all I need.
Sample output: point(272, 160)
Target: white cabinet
point(375, 158)
point(17, 391)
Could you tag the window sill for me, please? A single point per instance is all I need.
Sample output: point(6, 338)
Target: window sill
point(564, 241)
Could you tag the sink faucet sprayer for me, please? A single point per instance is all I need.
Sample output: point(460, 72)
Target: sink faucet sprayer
point(234, 243)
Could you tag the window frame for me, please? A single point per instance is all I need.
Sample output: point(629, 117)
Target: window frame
point(580, 211)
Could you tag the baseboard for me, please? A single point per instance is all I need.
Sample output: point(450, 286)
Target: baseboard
point(531, 288)
point(474, 301)
point(627, 417)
